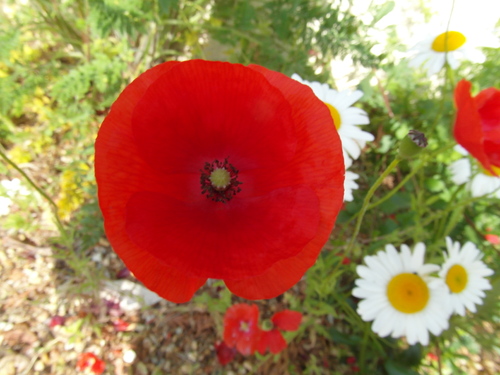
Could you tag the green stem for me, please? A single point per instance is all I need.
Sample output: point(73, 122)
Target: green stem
point(59, 223)
point(366, 202)
point(396, 188)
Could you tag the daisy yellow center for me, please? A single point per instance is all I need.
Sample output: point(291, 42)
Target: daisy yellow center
point(220, 178)
point(456, 278)
point(335, 115)
point(408, 293)
point(448, 41)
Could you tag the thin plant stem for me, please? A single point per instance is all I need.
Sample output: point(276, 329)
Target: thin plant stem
point(52, 204)
point(396, 188)
point(366, 202)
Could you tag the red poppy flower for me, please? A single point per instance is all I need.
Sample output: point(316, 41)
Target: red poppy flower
point(90, 360)
point(477, 125)
point(217, 170)
point(273, 340)
point(241, 327)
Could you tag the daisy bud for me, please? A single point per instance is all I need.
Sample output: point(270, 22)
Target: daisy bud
point(412, 144)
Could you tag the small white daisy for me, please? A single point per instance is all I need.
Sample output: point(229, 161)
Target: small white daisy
point(479, 181)
point(464, 273)
point(345, 117)
point(399, 296)
point(452, 46)
point(350, 185)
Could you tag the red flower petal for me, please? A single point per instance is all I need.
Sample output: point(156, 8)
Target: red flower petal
point(241, 328)
point(477, 124)
point(285, 273)
point(116, 153)
point(272, 340)
point(154, 220)
point(225, 354)
point(149, 154)
point(492, 239)
point(287, 320)
point(86, 360)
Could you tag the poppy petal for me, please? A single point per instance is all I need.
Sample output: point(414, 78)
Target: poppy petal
point(114, 155)
point(322, 141)
point(272, 340)
point(207, 112)
point(468, 130)
point(287, 320)
point(193, 237)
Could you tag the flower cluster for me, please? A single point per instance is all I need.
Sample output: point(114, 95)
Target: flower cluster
point(243, 333)
point(402, 298)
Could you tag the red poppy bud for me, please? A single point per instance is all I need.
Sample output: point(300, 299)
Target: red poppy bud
point(217, 170)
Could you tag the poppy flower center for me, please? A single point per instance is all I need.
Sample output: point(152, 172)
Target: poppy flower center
point(408, 293)
point(448, 41)
point(219, 181)
point(456, 278)
point(335, 115)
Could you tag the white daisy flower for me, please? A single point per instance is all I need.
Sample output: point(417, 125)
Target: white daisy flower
point(350, 185)
point(479, 181)
point(399, 296)
point(345, 117)
point(452, 46)
point(464, 273)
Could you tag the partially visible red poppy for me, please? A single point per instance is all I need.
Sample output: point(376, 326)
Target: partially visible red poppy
point(286, 320)
point(225, 354)
point(241, 328)
point(492, 239)
point(477, 125)
point(90, 361)
point(217, 170)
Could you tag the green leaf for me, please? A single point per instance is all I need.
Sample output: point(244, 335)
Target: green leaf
point(394, 368)
point(167, 5)
point(383, 11)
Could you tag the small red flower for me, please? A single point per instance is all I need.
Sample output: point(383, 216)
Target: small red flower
point(57, 320)
point(492, 239)
point(225, 354)
point(273, 340)
point(120, 325)
point(350, 360)
point(241, 328)
point(217, 170)
point(432, 356)
point(477, 125)
point(91, 361)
